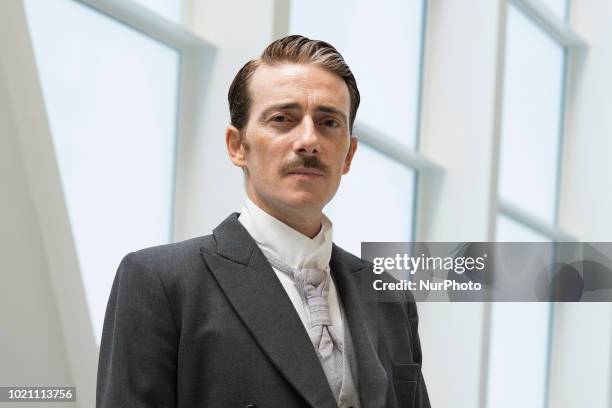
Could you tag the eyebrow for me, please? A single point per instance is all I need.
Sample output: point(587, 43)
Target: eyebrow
point(297, 106)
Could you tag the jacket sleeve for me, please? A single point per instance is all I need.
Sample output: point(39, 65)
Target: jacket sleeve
point(421, 399)
point(138, 353)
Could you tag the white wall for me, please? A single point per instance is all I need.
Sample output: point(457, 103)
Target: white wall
point(587, 187)
point(209, 186)
point(459, 127)
point(459, 123)
point(32, 345)
point(581, 356)
point(582, 350)
point(37, 173)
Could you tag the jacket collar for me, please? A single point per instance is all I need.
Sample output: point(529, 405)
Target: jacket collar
point(257, 295)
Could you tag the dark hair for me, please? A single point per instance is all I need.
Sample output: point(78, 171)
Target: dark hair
point(291, 49)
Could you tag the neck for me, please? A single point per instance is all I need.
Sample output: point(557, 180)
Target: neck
point(302, 220)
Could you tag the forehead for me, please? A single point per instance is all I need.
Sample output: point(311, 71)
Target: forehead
point(306, 84)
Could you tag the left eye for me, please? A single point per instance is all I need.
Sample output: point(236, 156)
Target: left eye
point(331, 123)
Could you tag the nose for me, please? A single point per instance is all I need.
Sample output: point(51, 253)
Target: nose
point(307, 141)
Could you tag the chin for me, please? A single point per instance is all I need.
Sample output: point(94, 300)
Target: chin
point(304, 200)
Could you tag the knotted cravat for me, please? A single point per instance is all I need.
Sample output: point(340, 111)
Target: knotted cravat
point(313, 285)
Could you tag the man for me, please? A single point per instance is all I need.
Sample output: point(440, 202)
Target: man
point(266, 311)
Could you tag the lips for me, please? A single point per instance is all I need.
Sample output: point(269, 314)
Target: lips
point(307, 171)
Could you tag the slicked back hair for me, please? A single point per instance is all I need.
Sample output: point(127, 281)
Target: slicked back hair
point(291, 49)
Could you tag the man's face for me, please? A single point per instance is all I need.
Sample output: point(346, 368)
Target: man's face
point(296, 144)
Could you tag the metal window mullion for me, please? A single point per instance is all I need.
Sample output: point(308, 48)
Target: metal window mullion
point(533, 222)
point(394, 149)
point(550, 23)
point(150, 23)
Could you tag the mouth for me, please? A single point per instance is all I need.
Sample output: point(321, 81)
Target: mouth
point(306, 172)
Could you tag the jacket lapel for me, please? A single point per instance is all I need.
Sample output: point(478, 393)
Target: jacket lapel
point(371, 376)
point(260, 300)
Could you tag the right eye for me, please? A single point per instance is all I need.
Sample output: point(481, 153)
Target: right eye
point(280, 118)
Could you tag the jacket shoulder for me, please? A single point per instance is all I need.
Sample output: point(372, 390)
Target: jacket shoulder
point(170, 258)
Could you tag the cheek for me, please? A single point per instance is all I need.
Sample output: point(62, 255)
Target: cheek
point(266, 161)
point(342, 156)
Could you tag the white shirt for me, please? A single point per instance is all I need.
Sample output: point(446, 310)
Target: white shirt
point(296, 250)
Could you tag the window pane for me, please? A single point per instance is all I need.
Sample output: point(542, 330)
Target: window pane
point(508, 230)
point(169, 9)
point(518, 355)
point(386, 63)
point(374, 202)
point(518, 359)
point(558, 7)
point(111, 97)
point(531, 118)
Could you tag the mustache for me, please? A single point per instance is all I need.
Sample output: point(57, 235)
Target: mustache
point(309, 162)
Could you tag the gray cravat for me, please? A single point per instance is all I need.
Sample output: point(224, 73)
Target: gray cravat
point(313, 286)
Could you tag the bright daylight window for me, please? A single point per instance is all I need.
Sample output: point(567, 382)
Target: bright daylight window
point(379, 191)
point(111, 98)
point(531, 139)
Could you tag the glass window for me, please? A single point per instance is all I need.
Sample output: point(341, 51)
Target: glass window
point(519, 342)
point(531, 120)
point(530, 153)
point(518, 358)
point(374, 201)
point(509, 230)
point(111, 99)
point(386, 63)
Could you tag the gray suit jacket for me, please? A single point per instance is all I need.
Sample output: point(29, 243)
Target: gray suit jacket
point(206, 323)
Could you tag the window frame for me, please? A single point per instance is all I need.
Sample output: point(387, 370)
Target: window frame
point(43, 180)
point(560, 31)
point(391, 148)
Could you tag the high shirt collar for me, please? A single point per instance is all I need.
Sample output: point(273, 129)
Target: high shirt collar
point(286, 244)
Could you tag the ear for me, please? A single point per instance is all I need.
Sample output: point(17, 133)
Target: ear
point(349, 156)
point(235, 146)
